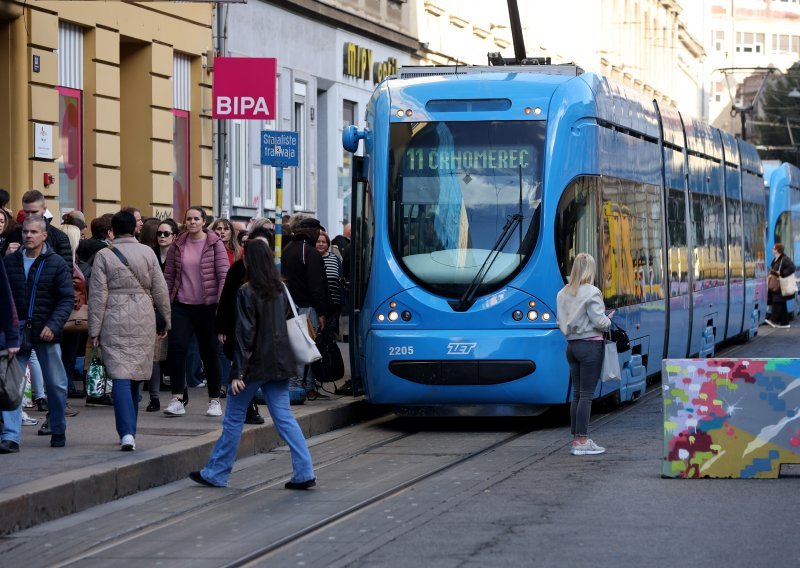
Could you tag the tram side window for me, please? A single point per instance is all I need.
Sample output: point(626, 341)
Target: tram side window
point(678, 255)
point(735, 240)
point(576, 223)
point(707, 229)
point(754, 240)
point(631, 242)
point(783, 229)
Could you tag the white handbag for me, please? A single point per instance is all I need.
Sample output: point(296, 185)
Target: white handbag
point(788, 285)
point(610, 370)
point(303, 347)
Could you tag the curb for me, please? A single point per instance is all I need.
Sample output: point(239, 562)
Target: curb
point(70, 492)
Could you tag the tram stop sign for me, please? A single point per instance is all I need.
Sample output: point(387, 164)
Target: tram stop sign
point(280, 149)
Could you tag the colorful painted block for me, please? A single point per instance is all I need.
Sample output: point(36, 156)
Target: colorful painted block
point(730, 417)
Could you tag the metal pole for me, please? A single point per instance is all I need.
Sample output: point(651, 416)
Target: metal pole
point(278, 214)
point(743, 115)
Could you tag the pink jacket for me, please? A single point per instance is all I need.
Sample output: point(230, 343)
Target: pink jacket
point(214, 266)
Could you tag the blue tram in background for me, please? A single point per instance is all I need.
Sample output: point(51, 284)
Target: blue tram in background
point(477, 188)
point(784, 214)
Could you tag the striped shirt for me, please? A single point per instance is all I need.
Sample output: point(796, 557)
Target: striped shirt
point(333, 274)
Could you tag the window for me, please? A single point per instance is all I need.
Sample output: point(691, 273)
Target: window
point(708, 232)
point(754, 241)
point(749, 42)
point(181, 105)
point(300, 199)
point(719, 40)
point(786, 44)
point(70, 117)
point(678, 252)
point(237, 168)
point(267, 173)
point(719, 91)
point(576, 226)
point(345, 192)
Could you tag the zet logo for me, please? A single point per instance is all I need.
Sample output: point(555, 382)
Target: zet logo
point(460, 348)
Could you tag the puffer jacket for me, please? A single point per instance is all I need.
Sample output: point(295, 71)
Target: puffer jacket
point(57, 240)
point(9, 323)
point(121, 311)
point(262, 350)
point(54, 293)
point(214, 266)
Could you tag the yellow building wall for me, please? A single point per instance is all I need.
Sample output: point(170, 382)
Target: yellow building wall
point(127, 99)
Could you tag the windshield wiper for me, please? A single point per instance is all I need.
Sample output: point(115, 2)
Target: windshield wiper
point(468, 298)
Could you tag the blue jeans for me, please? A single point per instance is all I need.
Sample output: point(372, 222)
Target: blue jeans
point(55, 378)
point(220, 463)
point(125, 395)
point(37, 380)
point(585, 359)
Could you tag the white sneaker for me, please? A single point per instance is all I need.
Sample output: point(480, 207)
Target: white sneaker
point(175, 408)
point(769, 323)
point(588, 448)
point(787, 326)
point(214, 408)
point(128, 443)
point(27, 420)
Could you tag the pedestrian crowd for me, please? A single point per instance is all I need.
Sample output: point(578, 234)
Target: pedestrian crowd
point(167, 304)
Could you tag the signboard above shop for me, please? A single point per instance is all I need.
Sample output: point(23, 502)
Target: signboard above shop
point(245, 87)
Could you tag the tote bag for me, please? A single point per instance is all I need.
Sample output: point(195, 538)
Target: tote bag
point(788, 285)
point(97, 383)
point(12, 382)
point(303, 347)
point(610, 370)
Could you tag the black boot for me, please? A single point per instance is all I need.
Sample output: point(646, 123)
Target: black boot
point(253, 416)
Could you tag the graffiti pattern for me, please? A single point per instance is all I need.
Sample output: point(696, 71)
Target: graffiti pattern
point(730, 417)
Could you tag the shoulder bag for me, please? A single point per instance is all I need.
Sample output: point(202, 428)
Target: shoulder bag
point(78, 320)
point(774, 279)
point(12, 382)
point(788, 285)
point(161, 321)
point(26, 326)
point(303, 347)
point(620, 338)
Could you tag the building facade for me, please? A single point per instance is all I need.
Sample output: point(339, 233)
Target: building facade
point(644, 44)
point(107, 104)
point(331, 55)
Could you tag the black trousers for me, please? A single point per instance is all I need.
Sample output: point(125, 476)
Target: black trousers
point(189, 320)
point(779, 314)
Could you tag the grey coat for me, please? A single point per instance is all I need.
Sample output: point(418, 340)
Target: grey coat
point(121, 310)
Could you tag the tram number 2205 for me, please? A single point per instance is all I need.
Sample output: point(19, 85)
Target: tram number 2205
point(403, 350)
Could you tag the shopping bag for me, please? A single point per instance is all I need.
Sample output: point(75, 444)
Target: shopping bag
point(610, 371)
point(303, 347)
point(12, 382)
point(96, 380)
point(788, 285)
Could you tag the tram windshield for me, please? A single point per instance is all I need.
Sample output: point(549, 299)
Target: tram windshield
point(452, 188)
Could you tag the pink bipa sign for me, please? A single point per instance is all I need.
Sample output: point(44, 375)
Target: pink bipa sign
point(245, 87)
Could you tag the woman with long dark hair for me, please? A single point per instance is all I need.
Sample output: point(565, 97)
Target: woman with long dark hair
point(262, 359)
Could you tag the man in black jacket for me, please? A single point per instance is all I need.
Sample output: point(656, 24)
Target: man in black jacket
point(304, 270)
point(41, 283)
point(33, 204)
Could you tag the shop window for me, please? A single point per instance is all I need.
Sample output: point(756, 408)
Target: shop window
point(70, 117)
point(345, 191)
point(237, 173)
point(300, 198)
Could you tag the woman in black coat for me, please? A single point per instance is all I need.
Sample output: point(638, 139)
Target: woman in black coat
point(782, 266)
point(262, 360)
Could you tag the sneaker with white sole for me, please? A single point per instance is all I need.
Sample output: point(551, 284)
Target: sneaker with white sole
point(128, 443)
point(588, 448)
point(770, 323)
point(175, 408)
point(27, 420)
point(214, 408)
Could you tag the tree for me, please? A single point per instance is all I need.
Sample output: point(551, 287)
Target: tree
point(776, 126)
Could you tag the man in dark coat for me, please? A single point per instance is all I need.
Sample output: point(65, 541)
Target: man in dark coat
point(304, 270)
point(41, 283)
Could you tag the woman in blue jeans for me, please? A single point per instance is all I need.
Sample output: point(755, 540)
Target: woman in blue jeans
point(262, 359)
point(582, 319)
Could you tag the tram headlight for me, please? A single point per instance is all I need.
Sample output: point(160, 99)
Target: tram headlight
point(533, 315)
point(381, 317)
point(537, 111)
point(393, 315)
point(546, 316)
point(517, 315)
point(400, 113)
point(409, 112)
point(405, 315)
point(527, 110)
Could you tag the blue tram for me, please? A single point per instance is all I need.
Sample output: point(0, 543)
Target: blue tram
point(784, 214)
point(477, 188)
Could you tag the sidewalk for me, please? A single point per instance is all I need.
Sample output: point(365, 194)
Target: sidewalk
point(41, 483)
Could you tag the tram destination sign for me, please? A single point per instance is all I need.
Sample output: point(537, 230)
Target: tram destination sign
point(280, 149)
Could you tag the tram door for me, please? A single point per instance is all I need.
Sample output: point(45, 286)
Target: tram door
point(361, 245)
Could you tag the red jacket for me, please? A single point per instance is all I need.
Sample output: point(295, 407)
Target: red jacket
point(214, 266)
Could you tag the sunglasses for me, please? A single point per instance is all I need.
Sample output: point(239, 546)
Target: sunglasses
point(164, 234)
